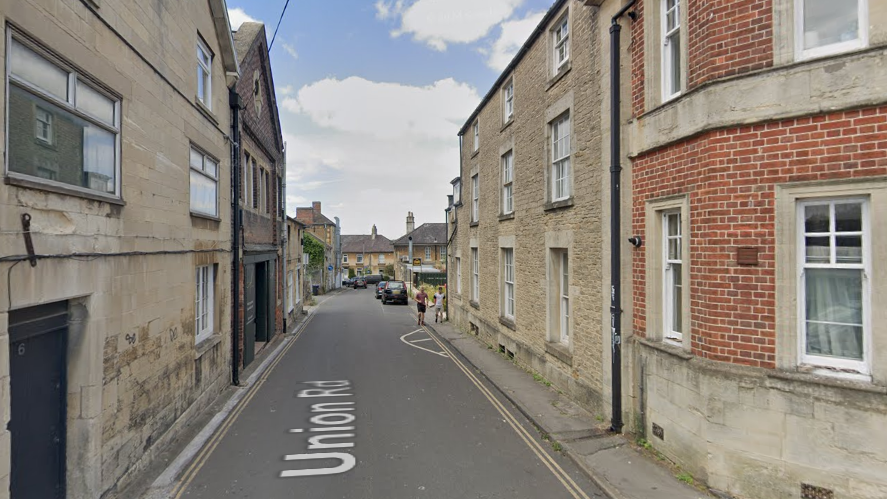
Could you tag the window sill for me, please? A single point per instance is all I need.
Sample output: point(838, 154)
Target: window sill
point(807, 374)
point(474, 154)
point(207, 345)
point(30, 183)
point(508, 322)
point(474, 224)
point(474, 304)
point(557, 205)
point(560, 74)
point(559, 351)
point(207, 112)
point(458, 205)
point(507, 124)
point(205, 216)
point(666, 348)
point(507, 216)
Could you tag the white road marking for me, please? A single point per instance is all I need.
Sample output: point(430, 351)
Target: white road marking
point(417, 341)
point(403, 339)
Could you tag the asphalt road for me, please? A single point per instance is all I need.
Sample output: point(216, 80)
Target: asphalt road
point(416, 423)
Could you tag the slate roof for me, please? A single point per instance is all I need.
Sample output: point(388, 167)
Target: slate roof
point(243, 38)
point(364, 243)
point(427, 233)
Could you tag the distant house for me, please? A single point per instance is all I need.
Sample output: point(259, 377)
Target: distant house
point(297, 288)
point(429, 243)
point(327, 231)
point(366, 253)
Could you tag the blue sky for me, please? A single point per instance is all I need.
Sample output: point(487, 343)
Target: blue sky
point(373, 93)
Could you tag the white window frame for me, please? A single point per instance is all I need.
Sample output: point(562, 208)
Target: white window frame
point(668, 279)
point(205, 158)
point(68, 104)
point(508, 183)
point(298, 290)
point(459, 275)
point(360, 258)
point(836, 48)
point(508, 289)
point(290, 286)
point(476, 135)
point(564, 295)
point(670, 68)
point(344, 258)
point(457, 192)
point(475, 275)
point(43, 126)
point(381, 259)
point(562, 161)
point(204, 73)
point(863, 366)
point(508, 94)
point(427, 253)
point(204, 302)
point(561, 39)
point(475, 198)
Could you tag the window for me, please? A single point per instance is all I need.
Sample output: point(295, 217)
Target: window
point(345, 258)
point(826, 27)
point(458, 275)
point(673, 293)
point(457, 191)
point(443, 253)
point(204, 74)
point(508, 282)
point(254, 184)
point(381, 259)
point(560, 158)
point(509, 100)
point(507, 181)
point(245, 178)
point(475, 282)
point(261, 191)
point(476, 135)
point(475, 198)
point(61, 128)
point(671, 48)
point(834, 292)
point(204, 183)
point(561, 36)
point(203, 309)
point(560, 288)
point(298, 291)
point(427, 253)
point(289, 291)
point(359, 258)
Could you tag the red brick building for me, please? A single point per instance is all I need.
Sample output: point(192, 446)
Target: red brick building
point(758, 174)
point(262, 173)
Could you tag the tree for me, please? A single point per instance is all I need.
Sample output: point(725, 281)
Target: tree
point(389, 270)
point(314, 248)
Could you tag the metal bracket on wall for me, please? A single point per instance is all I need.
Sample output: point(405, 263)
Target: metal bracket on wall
point(29, 245)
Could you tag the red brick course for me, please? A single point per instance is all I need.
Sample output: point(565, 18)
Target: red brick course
point(729, 176)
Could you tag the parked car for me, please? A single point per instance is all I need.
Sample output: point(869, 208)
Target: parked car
point(395, 291)
point(359, 282)
point(347, 281)
point(373, 278)
point(379, 288)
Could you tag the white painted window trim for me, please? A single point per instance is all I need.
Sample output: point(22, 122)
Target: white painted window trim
point(475, 198)
point(427, 253)
point(345, 258)
point(457, 192)
point(475, 274)
point(509, 100)
point(564, 298)
point(476, 135)
point(668, 275)
point(668, 63)
point(863, 367)
point(557, 126)
point(360, 258)
point(508, 183)
point(835, 48)
point(381, 259)
point(508, 288)
point(204, 309)
point(459, 275)
point(43, 126)
point(562, 29)
point(203, 171)
point(204, 69)
point(290, 286)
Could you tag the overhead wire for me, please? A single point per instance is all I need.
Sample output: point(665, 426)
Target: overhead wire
point(278, 25)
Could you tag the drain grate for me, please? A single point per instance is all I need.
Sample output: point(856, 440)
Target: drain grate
point(472, 327)
point(813, 492)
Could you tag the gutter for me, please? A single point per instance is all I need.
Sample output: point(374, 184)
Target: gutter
point(234, 103)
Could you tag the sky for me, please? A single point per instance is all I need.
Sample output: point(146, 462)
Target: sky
point(372, 95)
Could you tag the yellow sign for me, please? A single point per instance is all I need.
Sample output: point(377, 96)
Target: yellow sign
point(417, 261)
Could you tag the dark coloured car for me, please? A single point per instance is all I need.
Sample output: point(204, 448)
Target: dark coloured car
point(379, 288)
point(373, 278)
point(359, 282)
point(347, 281)
point(395, 291)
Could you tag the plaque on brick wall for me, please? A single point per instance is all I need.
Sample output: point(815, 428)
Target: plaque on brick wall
point(747, 255)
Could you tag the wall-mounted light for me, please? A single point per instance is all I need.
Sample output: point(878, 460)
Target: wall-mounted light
point(635, 241)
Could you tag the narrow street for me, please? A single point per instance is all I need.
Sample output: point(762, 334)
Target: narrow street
point(419, 423)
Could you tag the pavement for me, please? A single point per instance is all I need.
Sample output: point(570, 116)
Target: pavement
point(615, 466)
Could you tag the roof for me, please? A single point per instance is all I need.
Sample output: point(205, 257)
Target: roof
point(321, 241)
point(243, 38)
point(296, 221)
point(321, 219)
point(364, 243)
point(251, 34)
point(554, 10)
point(427, 233)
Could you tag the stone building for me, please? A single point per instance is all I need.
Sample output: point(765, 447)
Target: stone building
point(115, 241)
point(262, 169)
point(320, 275)
point(297, 288)
point(429, 243)
point(525, 269)
point(758, 138)
point(327, 231)
point(366, 254)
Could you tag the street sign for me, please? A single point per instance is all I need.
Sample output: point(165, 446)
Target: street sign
point(330, 268)
point(417, 261)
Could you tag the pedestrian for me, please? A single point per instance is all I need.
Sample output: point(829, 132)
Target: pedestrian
point(438, 304)
point(421, 303)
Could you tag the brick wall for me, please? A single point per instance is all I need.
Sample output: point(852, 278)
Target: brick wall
point(730, 176)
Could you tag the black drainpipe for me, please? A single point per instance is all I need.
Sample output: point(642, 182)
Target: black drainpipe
point(234, 102)
point(615, 222)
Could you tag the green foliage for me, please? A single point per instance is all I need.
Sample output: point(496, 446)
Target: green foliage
point(557, 446)
point(389, 270)
point(351, 273)
point(314, 248)
point(685, 477)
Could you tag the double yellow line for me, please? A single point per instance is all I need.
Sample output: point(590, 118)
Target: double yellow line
point(217, 437)
point(531, 442)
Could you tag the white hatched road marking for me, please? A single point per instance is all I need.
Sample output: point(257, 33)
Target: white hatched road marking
point(413, 343)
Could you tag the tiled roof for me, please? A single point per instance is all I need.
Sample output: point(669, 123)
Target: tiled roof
point(427, 233)
point(364, 243)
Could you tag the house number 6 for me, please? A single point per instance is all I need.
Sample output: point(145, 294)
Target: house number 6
point(21, 349)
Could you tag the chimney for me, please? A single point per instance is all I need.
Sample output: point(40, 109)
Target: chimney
point(374, 232)
point(316, 207)
point(411, 224)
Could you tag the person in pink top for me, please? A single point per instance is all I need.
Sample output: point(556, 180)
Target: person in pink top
point(421, 303)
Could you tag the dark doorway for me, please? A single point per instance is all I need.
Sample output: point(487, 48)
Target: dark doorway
point(38, 368)
point(262, 329)
point(249, 314)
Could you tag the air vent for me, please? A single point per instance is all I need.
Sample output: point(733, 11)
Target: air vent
point(813, 492)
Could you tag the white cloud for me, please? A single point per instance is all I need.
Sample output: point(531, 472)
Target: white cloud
point(284, 91)
point(439, 22)
point(366, 141)
point(290, 50)
point(512, 36)
point(238, 16)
